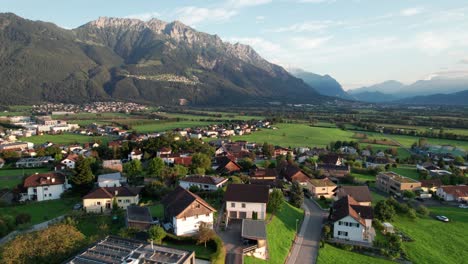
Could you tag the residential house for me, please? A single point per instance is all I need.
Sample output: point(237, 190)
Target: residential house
point(263, 174)
point(112, 165)
point(331, 170)
point(187, 211)
point(292, 173)
point(322, 187)
point(14, 146)
point(392, 182)
point(360, 194)
point(332, 159)
point(113, 249)
point(430, 185)
point(111, 180)
point(378, 161)
point(205, 183)
point(352, 221)
point(44, 186)
point(457, 193)
point(227, 166)
point(138, 217)
point(101, 199)
point(165, 151)
point(135, 154)
point(70, 161)
point(33, 162)
point(246, 201)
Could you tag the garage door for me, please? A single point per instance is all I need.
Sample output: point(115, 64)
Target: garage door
point(233, 214)
point(242, 215)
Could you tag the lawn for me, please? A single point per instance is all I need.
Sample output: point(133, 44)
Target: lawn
point(363, 177)
point(90, 225)
point(332, 255)
point(41, 211)
point(295, 135)
point(67, 138)
point(201, 251)
point(280, 234)
point(10, 178)
point(377, 197)
point(407, 171)
point(159, 126)
point(435, 241)
point(157, 210)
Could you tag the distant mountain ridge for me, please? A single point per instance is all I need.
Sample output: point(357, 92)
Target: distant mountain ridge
point(129, 59)
point(323, 84)
point(393, 90)
point(458, 98)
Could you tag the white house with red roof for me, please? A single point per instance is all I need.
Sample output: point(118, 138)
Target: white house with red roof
point(453, 192)
point(44, 186)
point(206, 183)
point(70, 161)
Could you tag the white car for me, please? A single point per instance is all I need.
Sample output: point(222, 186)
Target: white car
point(442, 218)
point(464, 206)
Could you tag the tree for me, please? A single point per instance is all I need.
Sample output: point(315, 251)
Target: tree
point(459, 160)
point(51, 245)
point(246, 163)
point(297, 194)
point(155, 167)
point(83, 173)
point(200, 160)
point(275, 201)
point(205, 234)
point(268, 150)
point(133, 168)
point(384, 211)
point(326, 231)
point(157, 234)
point(409, 194)
point(422, 210)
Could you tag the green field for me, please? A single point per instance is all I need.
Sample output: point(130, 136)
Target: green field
point(280, 234)
point(435, 241)
point(67, 138)
point(407, 171)
point(224, 116)
point(41, 211)
point(160, 126)
point(295, 135)
point(7, 175)
point(332, 255)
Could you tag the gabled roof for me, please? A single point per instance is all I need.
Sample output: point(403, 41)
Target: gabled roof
point(180, 199)
point(44, 179)
point(347, 206)
point(223, 162)
point(205, 179)
point(263, 172)
point(322, 182)
point(360, 194)
point(431, 183)
point(330, 158)
point(250, 193)
point(457, 191)
point(291, 172)
point(111, 192)
point(72, 157)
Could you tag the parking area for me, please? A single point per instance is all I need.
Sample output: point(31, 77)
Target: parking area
point(231, 237)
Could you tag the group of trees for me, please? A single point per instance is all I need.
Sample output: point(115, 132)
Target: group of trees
point(385, 210)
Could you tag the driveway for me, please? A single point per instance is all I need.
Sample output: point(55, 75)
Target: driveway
point(305, 248)
point(232, 241)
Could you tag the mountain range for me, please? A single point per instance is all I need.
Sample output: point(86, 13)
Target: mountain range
point(323, 84)
point(395, 91)
point(144, 61)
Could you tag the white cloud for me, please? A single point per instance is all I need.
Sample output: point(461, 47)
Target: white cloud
point(246, 3)
point(411, 11)
point(316, 1)
point(145, 16)
point(261, 45)
point(193, 15)
point(311, 26)
point(309, 43)
point(259, 19)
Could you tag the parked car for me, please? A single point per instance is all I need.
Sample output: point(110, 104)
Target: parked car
point(464, 206)
point(442, 218)
point(167, 226)
point(77, 206)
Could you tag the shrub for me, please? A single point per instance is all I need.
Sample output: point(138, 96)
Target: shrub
point(220, 254)
point(422, 210)
point(157, 234)
point(23, 218)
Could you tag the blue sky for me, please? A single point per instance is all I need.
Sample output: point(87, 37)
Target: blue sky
point(359, 42)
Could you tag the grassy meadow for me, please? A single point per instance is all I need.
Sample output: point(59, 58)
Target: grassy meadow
point(10, 178)
point(333, 255)
point(66, 138)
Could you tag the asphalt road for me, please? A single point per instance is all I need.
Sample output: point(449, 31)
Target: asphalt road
point(306, 246)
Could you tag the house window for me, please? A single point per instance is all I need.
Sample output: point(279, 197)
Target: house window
point(127, 201)
point(340, 222)
point(206, 186)
point(98, 203)
point(50, 195)
point(119, 200)
point(243, 205)
point(196, 216)
point(233, 205)
point(342, 233)
point(207, 214)
point(46, 189)
point(323, 189)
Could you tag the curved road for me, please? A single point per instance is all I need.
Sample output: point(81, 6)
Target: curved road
point(306, 246)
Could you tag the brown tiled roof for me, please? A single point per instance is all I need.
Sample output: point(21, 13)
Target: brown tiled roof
point(347, 206)
point(330, 158)
point(186, 161)
point(225, 164)
point(40, 179)
point(431, 183)
point(110, 192)
point(359, 193)
point(322, 182)
point(204, 179)
point(250, 193)
point(293, 173)
point(179, 199)
point(457, 191)
point(72, 157)
point(261, 172)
